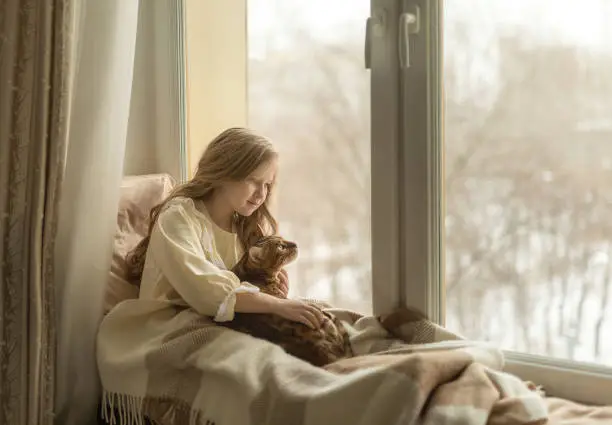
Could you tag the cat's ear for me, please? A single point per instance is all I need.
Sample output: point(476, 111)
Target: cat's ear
point(255, 252)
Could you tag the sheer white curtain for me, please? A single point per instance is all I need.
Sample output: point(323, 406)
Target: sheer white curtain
point(106, 45)
point(156, 119)
point(127, 118)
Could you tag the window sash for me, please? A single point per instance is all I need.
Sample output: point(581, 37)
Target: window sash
point(407, 160)
point(422, 168)
point(381, 43)
point(407, 144)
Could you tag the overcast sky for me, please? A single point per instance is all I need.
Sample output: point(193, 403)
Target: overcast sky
point(578, 22)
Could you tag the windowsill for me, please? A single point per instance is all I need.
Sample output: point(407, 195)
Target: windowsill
point(579, 382)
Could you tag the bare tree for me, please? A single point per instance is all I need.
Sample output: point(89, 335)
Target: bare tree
point(314, 102)
point(548, 188)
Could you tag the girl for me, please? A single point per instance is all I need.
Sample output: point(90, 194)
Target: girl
point(201, 230)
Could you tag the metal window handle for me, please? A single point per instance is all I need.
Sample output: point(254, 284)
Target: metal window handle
point(409, 23)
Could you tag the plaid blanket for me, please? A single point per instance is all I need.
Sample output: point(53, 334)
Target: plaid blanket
point(173, 366)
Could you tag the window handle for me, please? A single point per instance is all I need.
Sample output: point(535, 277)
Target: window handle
point(409, 24)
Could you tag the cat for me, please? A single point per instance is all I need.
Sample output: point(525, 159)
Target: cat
point(260, 265)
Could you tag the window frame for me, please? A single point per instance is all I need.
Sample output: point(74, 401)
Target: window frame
point(407, 160)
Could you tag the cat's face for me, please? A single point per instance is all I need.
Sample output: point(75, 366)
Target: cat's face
point(272, 253)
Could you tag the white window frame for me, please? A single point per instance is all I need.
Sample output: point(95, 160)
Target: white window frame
point(407, 161)
point(408, 188)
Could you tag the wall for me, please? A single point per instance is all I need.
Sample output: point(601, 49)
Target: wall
point(216, 49)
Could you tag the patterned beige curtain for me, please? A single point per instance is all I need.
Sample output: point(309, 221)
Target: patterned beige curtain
point(35, 79)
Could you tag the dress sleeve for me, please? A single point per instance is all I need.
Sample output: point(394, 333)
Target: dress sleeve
point(177, 250)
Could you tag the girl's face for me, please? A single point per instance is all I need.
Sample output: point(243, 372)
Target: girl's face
point(246, 196)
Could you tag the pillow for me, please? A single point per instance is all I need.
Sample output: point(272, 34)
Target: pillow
point(138, 195)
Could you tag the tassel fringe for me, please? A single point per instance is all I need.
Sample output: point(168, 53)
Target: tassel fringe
point(123, 409)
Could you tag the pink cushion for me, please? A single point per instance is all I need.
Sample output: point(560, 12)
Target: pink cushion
point(138, 195)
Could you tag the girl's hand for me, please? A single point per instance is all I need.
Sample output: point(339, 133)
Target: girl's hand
point(283, 277)
point(299, 311)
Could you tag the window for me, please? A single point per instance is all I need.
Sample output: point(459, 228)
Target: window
point(464, 173)
point(528, 131)
point(309, 91)
point(454, 140)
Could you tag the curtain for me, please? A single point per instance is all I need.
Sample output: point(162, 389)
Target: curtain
point(84, 84)
point(155, 114)
point(90, 193)
point(35, 87)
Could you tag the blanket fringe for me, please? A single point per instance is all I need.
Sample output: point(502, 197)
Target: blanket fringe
point(128, 409)
point(124, 409)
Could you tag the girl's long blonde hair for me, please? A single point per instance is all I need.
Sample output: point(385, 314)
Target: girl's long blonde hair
point(232, 156)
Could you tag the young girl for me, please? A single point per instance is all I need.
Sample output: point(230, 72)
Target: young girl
point(201, 230)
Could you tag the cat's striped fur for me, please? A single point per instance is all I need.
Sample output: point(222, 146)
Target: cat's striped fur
point(260, 265)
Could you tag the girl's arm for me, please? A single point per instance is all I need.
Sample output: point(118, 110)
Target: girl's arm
point(255, 303)
point(295, 310)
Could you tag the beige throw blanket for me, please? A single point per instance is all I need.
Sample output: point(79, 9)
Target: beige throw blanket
point(176, 367)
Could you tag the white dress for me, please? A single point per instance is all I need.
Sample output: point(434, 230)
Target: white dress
point(188, 261)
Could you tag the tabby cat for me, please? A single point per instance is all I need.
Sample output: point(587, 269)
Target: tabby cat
point(260, 265)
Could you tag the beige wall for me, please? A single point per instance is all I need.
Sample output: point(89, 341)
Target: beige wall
point(216, 49)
